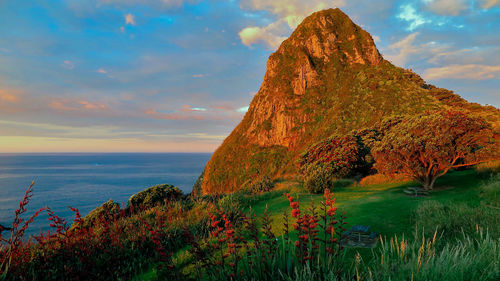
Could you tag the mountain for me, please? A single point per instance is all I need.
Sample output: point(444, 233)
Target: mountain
point(328, 77)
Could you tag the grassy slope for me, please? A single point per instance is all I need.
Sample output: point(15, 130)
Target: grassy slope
point(383, 207)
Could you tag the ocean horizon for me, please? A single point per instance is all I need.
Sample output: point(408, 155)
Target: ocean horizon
point(86, 180)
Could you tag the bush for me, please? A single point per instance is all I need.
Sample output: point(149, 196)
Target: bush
point(197, 191)
point(230, 205)
point(106, 211)
point(153, 196)
point(115, 246)
point(489, 168)
point(382, 179)
point(317, 179)
point(264, 184)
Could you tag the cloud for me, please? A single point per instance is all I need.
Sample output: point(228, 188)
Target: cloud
point(198, 75)
point(129, 19)
point(172, 116)
point(486, 4)
point(289, 14)
point(102, 71)
point(188, 108)
point(68, 64)
point(77, 105)
point(406, 49)
point(409, 13)
point(446, 7)
point(8, 96)
point(242, 109)
point(152, 3)
point(467, 71)
point(269, 35)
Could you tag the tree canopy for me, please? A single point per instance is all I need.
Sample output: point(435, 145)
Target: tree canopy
point(426, 146)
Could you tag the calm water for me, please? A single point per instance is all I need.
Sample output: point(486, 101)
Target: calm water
point(85, 181)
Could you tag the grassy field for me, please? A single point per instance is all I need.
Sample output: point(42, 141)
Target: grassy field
point(384, 207)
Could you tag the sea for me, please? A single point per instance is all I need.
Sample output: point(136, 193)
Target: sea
point(85, 181)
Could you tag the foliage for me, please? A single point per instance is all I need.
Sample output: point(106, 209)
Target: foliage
point(426, 146)
point(112, 247)
point(197, 191)
point(155, 195)
point(264, 184)
point(488, 169)
point(228, 255)
point(343, 156)
point(106, 211)
point(231, 207)
point(318, 178)
point(382, 179)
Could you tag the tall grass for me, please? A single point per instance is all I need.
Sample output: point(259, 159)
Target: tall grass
point(452, 220)
point(465, 259)
point(490, 191)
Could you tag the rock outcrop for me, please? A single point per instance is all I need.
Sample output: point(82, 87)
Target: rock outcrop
point(327, 77)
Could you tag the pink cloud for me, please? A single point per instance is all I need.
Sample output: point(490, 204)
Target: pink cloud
point(173, 116)
point(9, 96)
point(77, 105)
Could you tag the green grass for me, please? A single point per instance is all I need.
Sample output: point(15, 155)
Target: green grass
point(384, 207)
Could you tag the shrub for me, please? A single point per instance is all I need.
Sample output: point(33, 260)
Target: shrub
point(196, 192)
point(382, 179)
point(230, 205)
point(318, 178)
point(106, 211)
point(489, 168)
point(115, 246)
point(155, 195)
point(264, 184)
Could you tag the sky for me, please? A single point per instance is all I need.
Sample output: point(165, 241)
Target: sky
point(178, 75)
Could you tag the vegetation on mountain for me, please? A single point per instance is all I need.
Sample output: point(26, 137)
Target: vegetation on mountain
point(426, 146)
point(326, 79)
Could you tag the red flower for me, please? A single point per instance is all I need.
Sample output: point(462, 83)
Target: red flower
point(295, 213)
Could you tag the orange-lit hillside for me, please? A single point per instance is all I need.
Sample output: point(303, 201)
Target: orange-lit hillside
point(327, 78)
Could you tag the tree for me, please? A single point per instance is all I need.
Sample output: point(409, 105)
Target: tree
point(426, 146)
point(336, 157)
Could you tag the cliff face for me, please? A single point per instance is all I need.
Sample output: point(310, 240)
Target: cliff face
point(323, 38)
point(327, 77)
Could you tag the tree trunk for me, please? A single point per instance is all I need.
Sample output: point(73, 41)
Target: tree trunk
point(428, 184)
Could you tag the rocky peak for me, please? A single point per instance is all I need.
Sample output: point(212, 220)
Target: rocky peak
point(332, 34)
point(324, 38)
